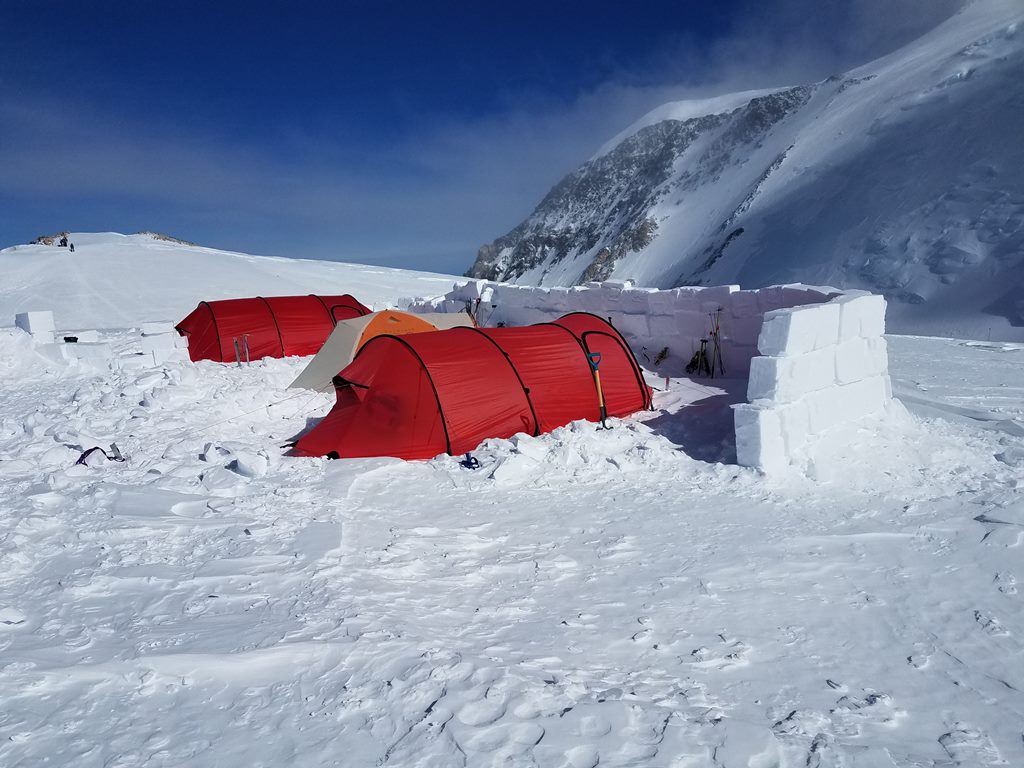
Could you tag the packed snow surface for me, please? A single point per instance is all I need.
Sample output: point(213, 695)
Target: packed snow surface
point(584, 598)
point(116, 281)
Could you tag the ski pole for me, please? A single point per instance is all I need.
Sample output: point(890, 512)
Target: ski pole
point(595, 361)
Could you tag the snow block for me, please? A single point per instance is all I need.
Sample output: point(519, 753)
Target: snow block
point(634, 302)
point(39, 324)
point(759, 441)
point(744, 304)
point(853, 361)
point(634, 326)
point(738, 358)
point(830, 407)
point(861, 358)
point(862, 316)
point(785, 379)
point(741, 329)
point(96, 353)
point(150, 329)
point(163, 341)
point(878, 352)
point(825, 409)
point(796, 428)
point(799, 330)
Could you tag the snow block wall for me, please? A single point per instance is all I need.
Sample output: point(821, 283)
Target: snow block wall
point(651, 320)
point(815, 358)
point(820, 366)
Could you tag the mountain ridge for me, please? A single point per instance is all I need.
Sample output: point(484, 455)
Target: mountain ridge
point(903, 176)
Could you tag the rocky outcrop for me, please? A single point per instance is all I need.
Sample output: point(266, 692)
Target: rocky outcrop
point(601, 213)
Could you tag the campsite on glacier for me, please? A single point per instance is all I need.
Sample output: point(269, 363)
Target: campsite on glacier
point(813, 558)
point(585, 597)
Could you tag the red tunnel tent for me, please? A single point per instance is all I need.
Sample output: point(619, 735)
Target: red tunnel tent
point(416, 396)
point(275, 326)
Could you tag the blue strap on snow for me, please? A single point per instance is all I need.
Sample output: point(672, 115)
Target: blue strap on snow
point(470, 462)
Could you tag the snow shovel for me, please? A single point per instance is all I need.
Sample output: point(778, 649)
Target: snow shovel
point(595, 361)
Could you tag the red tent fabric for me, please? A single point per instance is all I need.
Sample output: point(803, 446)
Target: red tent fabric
point(417, 396)
point(275, 326)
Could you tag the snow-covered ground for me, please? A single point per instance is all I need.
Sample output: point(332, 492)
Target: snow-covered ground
point(587, 597)
point(116, 281)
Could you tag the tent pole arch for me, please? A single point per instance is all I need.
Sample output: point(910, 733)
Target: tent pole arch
point(330, 315)
point(622, 342)
point(277, 327)
point(346, 306)
point(426, 370)
point(644, 396)
point(216, 330)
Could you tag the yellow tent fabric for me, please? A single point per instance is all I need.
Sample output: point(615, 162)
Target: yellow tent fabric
point(349, 336)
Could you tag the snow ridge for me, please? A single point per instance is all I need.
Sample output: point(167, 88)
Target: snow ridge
point(902, 177)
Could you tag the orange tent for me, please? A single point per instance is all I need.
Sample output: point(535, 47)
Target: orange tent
point(350, 335)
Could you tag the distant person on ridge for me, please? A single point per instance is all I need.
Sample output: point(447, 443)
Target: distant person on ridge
point(71, 247)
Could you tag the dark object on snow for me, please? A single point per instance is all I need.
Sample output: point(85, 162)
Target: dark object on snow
point(114, 455)
point(71, 247)
point(470, 462)
point(70, 339)
point(699, 363)
point(63, 242)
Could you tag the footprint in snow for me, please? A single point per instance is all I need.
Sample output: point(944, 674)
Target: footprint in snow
point(990, 624)
point(1005, 583)
point(851, 713)
point(968, 746)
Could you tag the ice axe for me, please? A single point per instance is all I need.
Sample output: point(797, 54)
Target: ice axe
point(595, 362)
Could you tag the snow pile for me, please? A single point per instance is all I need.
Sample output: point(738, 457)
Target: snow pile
point(815, 357)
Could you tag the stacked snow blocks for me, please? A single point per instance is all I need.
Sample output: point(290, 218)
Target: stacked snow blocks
point(651, 320)
point(162, 342)
point(820, 366)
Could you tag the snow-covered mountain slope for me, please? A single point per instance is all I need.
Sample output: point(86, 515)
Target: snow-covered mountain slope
point(905, 176)
point(115, 281)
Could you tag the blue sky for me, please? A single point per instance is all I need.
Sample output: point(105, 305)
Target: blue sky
point(390, 133)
